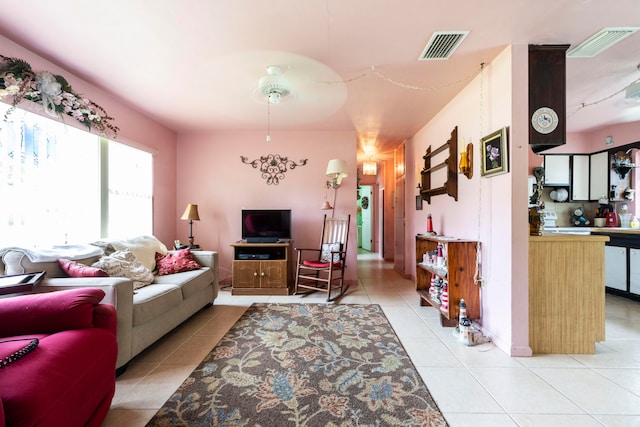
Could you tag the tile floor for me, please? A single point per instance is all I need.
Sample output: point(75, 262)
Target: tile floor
point(474, 386)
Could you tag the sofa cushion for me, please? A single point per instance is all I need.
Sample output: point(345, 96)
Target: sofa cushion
point(190, 282)
point(176, 262)
point(48, 312)
point(78, 269)
point(125, 264)
point(152, 301)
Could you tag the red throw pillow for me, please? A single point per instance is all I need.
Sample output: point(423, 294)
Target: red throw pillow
point(78, 269)
point(176, 262)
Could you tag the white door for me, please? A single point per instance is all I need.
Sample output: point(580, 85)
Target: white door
point(634, 271)
point(599, 176)
point(615, 267)
point(580, 177)
point(556, 169)
point(366, 202)
point(399, 226)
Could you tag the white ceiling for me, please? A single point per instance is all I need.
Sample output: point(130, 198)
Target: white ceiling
point(195, 64)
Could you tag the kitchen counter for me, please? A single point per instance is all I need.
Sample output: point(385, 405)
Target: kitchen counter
point(617, 230)
point(566, 292)
point(567, 237)
point(588, 230)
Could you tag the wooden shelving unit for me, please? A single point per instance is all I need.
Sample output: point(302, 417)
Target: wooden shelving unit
point(450, 185)
point(460, 261)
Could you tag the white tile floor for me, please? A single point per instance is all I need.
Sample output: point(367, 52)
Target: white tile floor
point(474, 386)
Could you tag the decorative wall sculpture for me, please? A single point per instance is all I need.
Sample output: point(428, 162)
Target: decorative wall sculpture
point(273, 166)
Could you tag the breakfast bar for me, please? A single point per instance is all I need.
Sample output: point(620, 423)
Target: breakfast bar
point(566, 292)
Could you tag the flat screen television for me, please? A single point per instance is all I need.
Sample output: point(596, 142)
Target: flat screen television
point(266, 225)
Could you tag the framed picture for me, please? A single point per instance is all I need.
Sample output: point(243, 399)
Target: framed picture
point(493, 153)
point(418, 203)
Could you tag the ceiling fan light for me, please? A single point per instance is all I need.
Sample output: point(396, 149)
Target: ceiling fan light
point(275, 97)
point(274, 86)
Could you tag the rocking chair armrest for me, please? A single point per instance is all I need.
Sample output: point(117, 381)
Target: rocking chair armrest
point(301, 251)
point(308, 249)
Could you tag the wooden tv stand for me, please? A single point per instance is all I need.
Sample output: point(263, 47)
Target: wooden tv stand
point(262, 268)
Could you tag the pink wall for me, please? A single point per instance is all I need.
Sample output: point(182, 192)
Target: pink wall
point(622, 134)
point(213, 176)
point(485, 209)
point(135, 129)
point(592, 141)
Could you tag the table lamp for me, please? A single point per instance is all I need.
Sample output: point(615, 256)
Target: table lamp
point(191, 214)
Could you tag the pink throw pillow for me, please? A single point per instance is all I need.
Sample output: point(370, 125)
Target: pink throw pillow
point(176, 262)
point(78, 269)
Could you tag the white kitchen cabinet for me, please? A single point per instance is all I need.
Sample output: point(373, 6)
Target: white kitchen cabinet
point(615, 267)
point(580, 177)
point(556, 169)
point(634, 271)
point(599, 176)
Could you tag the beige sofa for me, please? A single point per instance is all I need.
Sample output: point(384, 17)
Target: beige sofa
point(144, 314)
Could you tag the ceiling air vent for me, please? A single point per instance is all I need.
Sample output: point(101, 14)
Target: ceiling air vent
point(601, 41)
point(442, 45)
point(633, 91)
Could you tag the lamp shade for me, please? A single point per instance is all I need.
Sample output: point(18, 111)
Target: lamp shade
point(191, 213)
point(337, 168)
point(369, 168)
point(326, 206)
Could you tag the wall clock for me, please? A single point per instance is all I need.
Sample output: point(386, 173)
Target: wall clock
point(365, 202)
point(544, 120)
point(547, 96)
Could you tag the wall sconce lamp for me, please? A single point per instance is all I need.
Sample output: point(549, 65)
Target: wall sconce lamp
point(191, 214)
point(336, 170)
point(466, 161)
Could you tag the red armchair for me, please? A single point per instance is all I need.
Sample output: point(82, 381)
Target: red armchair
point(69, 378)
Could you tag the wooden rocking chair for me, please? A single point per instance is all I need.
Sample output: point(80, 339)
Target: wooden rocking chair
point(322, 269)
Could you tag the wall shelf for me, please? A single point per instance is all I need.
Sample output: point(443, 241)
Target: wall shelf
point(450, 186)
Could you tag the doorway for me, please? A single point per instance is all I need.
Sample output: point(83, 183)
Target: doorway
point(365, 218)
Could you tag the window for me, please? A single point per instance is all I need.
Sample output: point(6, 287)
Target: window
point(59, 184)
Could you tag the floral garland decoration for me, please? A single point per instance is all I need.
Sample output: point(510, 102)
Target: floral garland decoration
point(56, 95)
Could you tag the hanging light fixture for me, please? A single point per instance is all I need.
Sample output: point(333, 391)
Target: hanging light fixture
point(369, 168)
point(275, 88)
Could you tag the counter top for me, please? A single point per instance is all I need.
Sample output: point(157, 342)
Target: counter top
point(561, 237)
point(617, 230)
point(586, 230)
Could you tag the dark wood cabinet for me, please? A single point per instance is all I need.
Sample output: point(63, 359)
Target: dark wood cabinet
point(547, 96)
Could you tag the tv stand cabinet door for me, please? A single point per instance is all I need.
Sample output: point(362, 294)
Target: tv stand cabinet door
point(274, 274)
point(246, 274)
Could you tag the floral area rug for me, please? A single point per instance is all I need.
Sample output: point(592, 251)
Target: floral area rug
point(304, 365)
